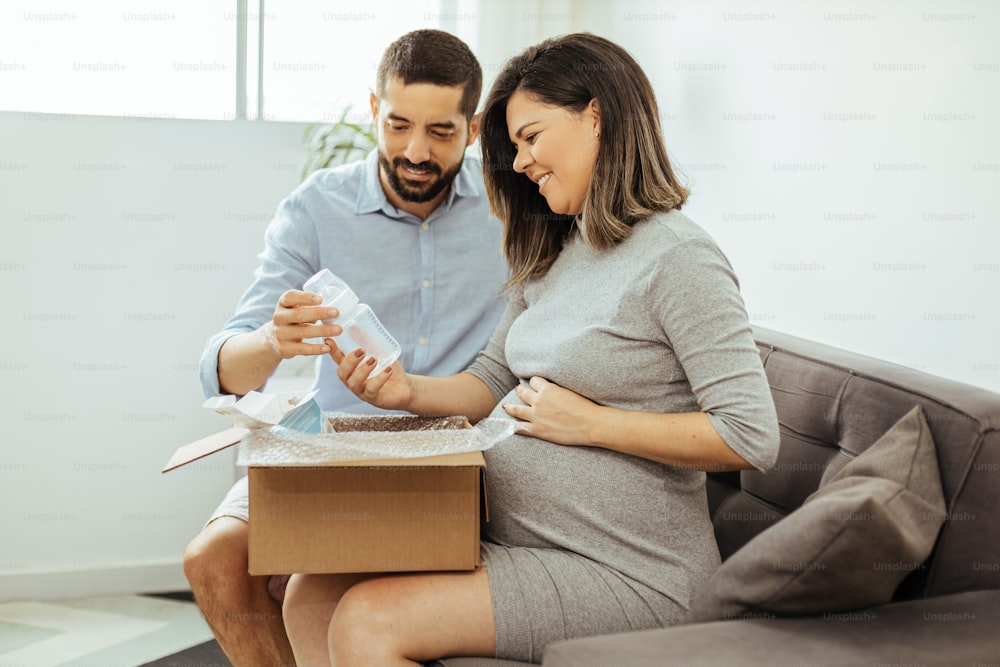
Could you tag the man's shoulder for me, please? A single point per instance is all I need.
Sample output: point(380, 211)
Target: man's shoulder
point(338, 177)
point(473, 161)
point(469, 181)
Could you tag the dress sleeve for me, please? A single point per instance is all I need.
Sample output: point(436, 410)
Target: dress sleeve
point(490, 365)
point(289, 258)
point(704, 318)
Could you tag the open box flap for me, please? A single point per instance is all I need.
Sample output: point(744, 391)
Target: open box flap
point(206, 446)
point(289, 444)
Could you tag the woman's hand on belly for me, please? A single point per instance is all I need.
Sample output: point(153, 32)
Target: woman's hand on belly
point(556, 414)
point(553, 413)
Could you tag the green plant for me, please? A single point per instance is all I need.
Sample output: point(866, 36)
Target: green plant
point(340, 142)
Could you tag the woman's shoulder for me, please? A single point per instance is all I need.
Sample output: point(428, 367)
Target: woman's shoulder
point(671, 228)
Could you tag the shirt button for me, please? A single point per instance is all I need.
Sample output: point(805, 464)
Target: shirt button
point(426, 283)
point(425, 226)
point(422, 341)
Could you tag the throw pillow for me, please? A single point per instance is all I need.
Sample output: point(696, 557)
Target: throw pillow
point(849, 545)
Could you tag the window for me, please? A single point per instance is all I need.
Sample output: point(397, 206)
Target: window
point(320, 57)
point(119, 57)
point(186, 58)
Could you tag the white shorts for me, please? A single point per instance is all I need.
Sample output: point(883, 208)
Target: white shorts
point(236, 503)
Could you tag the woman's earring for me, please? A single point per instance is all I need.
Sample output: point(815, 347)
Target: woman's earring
point(596, 133)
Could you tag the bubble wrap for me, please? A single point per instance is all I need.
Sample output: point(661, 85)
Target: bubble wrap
point(279, 446)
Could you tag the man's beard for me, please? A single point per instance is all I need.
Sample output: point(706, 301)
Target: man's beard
point(417, 192)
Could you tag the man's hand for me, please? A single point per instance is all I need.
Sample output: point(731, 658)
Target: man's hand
point(296, 318)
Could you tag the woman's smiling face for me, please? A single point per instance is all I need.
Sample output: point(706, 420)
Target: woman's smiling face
point(556, 148)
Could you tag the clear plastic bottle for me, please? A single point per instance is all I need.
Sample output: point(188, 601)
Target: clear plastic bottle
point(361, 327)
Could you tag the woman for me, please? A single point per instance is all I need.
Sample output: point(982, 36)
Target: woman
point(627, 358)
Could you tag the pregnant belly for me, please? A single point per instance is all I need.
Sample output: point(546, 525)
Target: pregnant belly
point(546, 495)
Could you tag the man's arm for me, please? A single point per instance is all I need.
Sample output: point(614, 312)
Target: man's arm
point(248, 359)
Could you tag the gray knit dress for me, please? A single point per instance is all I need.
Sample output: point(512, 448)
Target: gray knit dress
point(582, 540)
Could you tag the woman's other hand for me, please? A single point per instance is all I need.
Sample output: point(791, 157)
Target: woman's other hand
point(390, 389)
point(554, 413)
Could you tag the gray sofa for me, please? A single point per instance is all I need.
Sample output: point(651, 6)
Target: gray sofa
point(833, 405)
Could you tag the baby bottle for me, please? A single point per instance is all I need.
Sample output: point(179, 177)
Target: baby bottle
point(361, 327)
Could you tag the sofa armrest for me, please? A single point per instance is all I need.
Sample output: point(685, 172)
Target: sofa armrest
point(959, 629)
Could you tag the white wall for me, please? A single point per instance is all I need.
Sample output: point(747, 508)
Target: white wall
point(857, 203)
point(124, 243)
point(846, 155)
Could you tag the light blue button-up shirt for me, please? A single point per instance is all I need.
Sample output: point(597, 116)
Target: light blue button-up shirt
point(435, 284)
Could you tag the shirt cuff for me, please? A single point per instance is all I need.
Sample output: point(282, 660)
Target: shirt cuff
point(208, 367)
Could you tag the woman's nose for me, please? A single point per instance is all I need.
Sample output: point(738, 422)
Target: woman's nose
point(521, 160)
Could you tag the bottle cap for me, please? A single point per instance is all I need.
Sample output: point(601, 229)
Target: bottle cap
point(335, 292)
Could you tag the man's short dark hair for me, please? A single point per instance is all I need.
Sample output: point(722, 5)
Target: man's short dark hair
point(432, 56)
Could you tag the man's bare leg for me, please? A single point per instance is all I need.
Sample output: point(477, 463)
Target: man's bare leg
point(245, 619)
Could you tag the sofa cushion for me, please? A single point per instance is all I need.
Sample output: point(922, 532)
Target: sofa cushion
point(936, 632)
point(850, 544)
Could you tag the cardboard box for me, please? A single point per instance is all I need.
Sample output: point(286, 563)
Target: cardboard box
point(372, 515)
point(393, 515)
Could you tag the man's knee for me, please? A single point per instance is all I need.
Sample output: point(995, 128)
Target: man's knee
point(217, 553)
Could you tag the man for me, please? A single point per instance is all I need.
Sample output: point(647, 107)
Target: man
point(409, 230)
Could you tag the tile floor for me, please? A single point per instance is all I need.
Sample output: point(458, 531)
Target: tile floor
point(117, 631)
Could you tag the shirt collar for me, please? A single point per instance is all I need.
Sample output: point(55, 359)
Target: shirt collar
point(371, 196)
